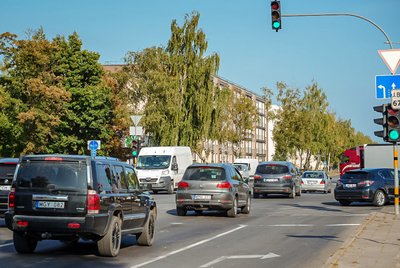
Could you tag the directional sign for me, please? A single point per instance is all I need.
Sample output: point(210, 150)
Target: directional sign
point(391, 57)
point(93, 145)
point(384, 84)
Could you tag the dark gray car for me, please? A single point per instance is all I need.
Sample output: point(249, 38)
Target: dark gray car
point(279, 177)
point(212, 187)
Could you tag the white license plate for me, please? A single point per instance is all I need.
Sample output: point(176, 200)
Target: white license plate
point(271, 180)
point(201, 197)
point(49, 204)
point(312, 182)
point(5, 187)
point(351, 185)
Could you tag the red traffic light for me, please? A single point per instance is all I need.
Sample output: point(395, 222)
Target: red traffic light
point(275, 5)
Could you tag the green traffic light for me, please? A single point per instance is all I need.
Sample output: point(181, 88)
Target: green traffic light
point(276, 24)
point(134, 153)
point(394, 135)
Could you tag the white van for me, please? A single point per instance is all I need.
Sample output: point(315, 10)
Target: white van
point(251, 164)
point(161, 168)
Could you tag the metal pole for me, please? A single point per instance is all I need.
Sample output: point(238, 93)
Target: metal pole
point(342, 14)
point(396, 178)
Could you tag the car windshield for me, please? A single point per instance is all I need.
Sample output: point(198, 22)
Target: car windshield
point(153, 161)
point(356, 176)
point(313, 175)
point(272, 169)
point(241, 167)
point(52, 175)
point(204, 174)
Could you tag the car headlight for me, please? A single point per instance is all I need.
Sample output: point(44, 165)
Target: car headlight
point(165, 172)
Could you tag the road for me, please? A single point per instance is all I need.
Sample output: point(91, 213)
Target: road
point(279, 232)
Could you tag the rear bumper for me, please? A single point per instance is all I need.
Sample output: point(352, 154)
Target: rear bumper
point(354, 195)
point(3, 204)
point(313, 187)
point(272, 189)
point(58, 226)
point(218, 202)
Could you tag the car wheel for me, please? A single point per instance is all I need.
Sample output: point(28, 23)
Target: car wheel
point(146, 238)
point(379, 198)
point(344, 202)
point(24, 243)
point(181, 211)
point(246, 208)
point(171, 187)
point(110, 244)
point(233, 211)
point(256, 195)
point(293, 193)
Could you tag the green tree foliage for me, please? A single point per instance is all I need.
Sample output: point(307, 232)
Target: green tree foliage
point(306, 130)
point(56, 96)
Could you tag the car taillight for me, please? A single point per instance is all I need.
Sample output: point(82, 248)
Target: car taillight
point(224, 185)
point(183, 185)
point(93, 202)
point(287, 177)
point(257, 177)
point(301, 181)
point(22, 223)
point(366, 183)
point(11, 198)
point(322, 182)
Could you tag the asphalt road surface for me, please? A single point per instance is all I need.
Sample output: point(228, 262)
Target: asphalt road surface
point(278, 232)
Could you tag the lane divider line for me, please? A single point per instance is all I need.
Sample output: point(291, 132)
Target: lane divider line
point(6, 245)
point(188, 247)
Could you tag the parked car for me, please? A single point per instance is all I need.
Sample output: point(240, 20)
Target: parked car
point(212, 187)
point(314, 181)
point(278, 177)
point(67, 197)
point(374, 185)
point(7, 169)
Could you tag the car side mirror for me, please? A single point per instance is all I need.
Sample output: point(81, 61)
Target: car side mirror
point(174, 166)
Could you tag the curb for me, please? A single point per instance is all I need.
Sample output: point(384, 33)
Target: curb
point(332, 261)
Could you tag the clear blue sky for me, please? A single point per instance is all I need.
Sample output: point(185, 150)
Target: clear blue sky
point(340, 53)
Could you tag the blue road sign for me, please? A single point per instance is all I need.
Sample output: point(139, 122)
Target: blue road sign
point(93, 145)
point(384, 84)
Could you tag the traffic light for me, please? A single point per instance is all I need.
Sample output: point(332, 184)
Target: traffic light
point(135, 148)
point(393, 124)
point(383, 109)
point(276, 15)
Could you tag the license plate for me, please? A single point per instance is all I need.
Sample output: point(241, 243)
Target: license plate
point(312, 182)
point(271, 180)
point(201, 197)
point(352, 185)
point(5, 187)
point(49, 204)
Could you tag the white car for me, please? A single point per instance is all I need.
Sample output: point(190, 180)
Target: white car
point(316, 181)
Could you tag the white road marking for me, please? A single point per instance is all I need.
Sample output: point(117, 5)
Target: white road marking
point(222, 258)
point(188, 247)
point(291, 225)
point(6, 245)
point(343, 224)
point(176, 223)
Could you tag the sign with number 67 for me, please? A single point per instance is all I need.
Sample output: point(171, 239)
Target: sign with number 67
point(396, 99)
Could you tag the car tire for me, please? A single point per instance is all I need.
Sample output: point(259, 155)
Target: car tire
point(344, 203)
point(24, 243)
point(171, 189)
point(293, 193)
point(379, 198)
point(247, 207)
point(181, 211)
point(110, 244)
point(233, 211)
point(146, 238)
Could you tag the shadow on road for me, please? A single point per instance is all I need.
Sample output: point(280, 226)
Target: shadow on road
point(324, 237)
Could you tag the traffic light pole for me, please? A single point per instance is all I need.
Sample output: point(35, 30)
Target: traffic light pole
point(396, 178)
point(342, 14)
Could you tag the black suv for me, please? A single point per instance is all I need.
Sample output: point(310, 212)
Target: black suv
point(279, 177)
point(7, 169)
point(67, 197)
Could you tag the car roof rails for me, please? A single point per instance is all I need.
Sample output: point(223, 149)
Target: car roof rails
point(106, 158)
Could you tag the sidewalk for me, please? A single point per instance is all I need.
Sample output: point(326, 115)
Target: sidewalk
point(375, 244)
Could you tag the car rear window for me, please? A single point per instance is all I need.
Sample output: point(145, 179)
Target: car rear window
point(204, 174)
point(356, 176)
point(52, 175)
point(313, 175)
point(7, 170)
point(272, 169)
